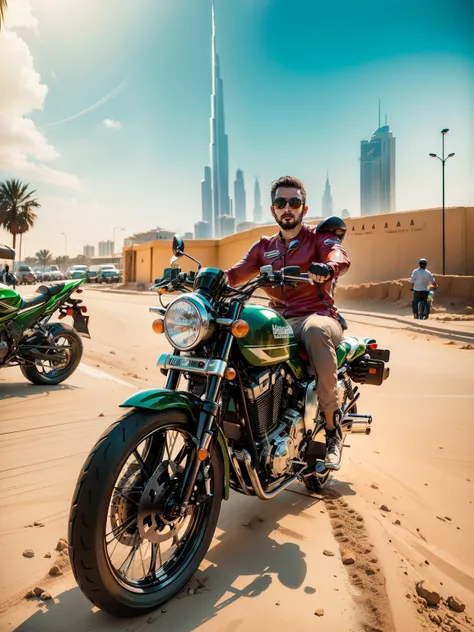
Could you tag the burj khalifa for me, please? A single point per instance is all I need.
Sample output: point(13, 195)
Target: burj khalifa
point(215, 190)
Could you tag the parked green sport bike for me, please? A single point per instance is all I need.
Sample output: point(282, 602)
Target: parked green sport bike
point(239, 411)
point(46, 352)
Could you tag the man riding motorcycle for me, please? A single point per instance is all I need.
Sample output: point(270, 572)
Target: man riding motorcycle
point(421, 281)
point(308, 308)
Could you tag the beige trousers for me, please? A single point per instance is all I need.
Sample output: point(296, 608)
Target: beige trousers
point(320, 336)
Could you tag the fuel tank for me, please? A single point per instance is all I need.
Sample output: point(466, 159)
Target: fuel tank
point(270, 339)
point(10, 302)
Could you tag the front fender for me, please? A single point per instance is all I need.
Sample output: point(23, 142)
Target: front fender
point(160, 399)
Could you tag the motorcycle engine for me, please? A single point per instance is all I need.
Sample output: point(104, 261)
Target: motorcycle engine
point(274, 400)
point(4, 345)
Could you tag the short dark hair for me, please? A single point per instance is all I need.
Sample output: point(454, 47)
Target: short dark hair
point(288, 182)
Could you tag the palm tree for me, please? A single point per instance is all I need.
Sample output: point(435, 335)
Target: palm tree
point(30, 261)
point(3, 8)
point(44, 257)
point(16, 207)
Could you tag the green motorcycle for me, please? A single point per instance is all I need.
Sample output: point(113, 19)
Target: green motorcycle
point(46, 352)
point(239, 411)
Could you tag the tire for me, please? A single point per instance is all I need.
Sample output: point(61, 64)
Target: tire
point(90, 510)
point(31, 372)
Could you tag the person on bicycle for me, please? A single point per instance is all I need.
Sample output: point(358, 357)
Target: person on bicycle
point(421, 282)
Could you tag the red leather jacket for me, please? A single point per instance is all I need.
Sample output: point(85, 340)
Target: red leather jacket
point(306, 299)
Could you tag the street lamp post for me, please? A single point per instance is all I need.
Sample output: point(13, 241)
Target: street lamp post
point(65, 248)
point(443, 230)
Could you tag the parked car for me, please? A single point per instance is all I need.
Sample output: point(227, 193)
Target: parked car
point(108, 274)
point(76, 272)
point(38, 272)
point(25, 275)
point(53, 273)
point(91, 274)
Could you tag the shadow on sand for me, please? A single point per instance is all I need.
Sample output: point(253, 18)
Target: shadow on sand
point(246, 550)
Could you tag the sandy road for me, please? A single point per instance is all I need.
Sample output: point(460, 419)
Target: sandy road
point(420, 456)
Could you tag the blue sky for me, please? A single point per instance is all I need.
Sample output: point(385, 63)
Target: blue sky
point(302, 81)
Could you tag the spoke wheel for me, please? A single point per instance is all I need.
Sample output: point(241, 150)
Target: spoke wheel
point(144, 548)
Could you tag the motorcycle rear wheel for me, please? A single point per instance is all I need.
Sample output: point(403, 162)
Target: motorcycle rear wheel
point(138, 516)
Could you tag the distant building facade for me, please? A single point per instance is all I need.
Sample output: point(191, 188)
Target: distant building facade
point(377, 173)
point(257, 203)
point(88, 251)
point(240, 199)
point(106, 248)
point(203, 230)
point(327, 205)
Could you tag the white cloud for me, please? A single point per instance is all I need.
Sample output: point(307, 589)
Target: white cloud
point(112, 124)
point(23, 148)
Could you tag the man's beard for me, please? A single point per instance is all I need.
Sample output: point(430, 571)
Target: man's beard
point(288, 223)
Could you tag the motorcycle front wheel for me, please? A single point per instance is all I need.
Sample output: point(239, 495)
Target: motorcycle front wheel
point(129, 552)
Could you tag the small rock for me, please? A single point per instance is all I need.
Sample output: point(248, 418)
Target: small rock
point(277, 603)
point(338, 524)
point(422, 602)
point(384, 508)
point(45, 596)
point(191, 591)
point(370, 570)
point(427, 563)
point(47, 555)
point(328, 553)
point(61, 544)
point(397, 522)
point(374, 560)
point(164, 610)
point(447, 518)
point(101, 415)
point(112, 353)
point(374, 486)
point(319, 612)
point(435, 618)
point(468, 310)
point(408, 596)
point(30, 594)
point(54, 571)
point(28, 553)
point(420, 610)
point(360, 519)
point(426, 591)
point(442, 519)
point(468, 619)
point(456, 604)
point(38, 524)
point(38, 591)
point(348, 557)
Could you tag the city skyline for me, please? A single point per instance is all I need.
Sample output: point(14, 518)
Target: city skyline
point(95, 126)
point(378, 172)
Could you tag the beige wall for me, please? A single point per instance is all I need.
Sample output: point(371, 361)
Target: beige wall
point(381, 247)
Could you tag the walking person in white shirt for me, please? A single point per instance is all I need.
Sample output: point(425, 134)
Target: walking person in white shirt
point(421, 282)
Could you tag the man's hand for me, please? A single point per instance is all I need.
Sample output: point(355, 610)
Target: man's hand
point(320, 272)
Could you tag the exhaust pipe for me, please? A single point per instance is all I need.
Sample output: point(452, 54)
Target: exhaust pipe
point(357, 424)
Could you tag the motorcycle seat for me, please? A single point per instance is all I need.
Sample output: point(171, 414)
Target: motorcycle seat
point(45, 293)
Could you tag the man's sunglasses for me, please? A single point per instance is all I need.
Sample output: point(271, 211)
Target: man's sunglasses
point(295, 203)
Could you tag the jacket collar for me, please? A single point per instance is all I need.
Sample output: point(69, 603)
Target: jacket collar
point(301, 234)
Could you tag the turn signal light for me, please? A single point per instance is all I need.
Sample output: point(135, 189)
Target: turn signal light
point(83, 309)
point(239, 328)
point(162, 290)
point(373, 345)
point(158, 326)
point(202, 454)
point(372, 371)
point(70, 312)
point(230, 373)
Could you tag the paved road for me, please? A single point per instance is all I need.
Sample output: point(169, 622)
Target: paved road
point(420, 456)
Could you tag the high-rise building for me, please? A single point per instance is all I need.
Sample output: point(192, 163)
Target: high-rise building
point(226, 225)
point(106, 248)
point(89, 251)
point(219, 145)
point(188, 236)
point(206, 196)
point(244, 226)
point(327, 200)
point(377, 172)
point(240, 199)
point(257, 203)
point(345, 213)
point(202, 230)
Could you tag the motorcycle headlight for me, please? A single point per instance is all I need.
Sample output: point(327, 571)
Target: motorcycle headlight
point(187, 322)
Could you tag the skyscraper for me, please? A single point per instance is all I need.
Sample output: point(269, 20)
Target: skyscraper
point(257, 203)
point(377, 172)
point(219, 145)
point(206, 196)
point(327, 200)
point(89, 251)
point(240, 200)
